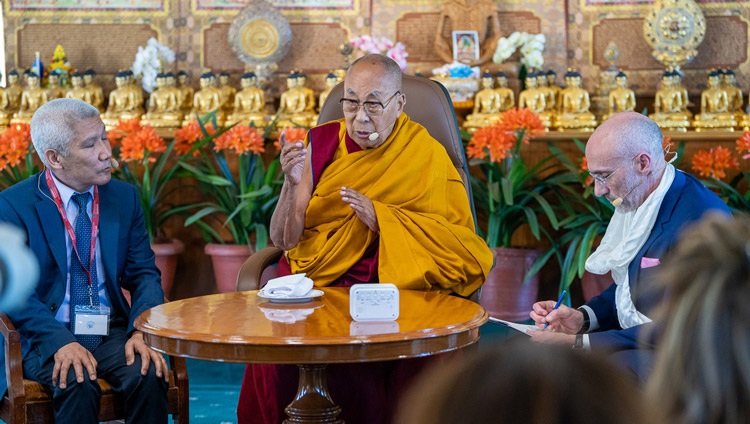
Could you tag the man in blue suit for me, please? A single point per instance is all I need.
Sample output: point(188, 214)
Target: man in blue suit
point(653, 203)
point(89, 254)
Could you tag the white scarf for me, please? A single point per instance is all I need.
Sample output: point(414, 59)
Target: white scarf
point(625, 236)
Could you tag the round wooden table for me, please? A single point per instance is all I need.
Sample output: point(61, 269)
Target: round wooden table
point(242, 327)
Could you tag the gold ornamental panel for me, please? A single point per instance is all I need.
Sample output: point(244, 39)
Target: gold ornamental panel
point(259, 39)
point(674, 29)
point(260, 34)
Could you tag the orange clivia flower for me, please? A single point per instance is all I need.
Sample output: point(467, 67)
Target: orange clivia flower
point(14, 145)
point(141, 144)
point(714, 162)
point(524, 119)
point(241, 139)
point(122, 129)
point(499, 140)
point(190, 134)
point(293, 134)
point(743, 145)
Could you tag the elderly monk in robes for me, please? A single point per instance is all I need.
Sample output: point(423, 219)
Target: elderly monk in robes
point(366, 199)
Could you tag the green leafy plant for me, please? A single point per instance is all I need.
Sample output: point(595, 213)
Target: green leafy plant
point(148, 163)
point(713, 165)
point(506, 190)
point(241, 204)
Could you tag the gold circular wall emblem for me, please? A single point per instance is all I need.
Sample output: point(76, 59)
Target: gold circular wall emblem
point(259, 38)
point(674, 29)
point(260, 34)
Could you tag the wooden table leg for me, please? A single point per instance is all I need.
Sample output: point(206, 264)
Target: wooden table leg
point(313, 403)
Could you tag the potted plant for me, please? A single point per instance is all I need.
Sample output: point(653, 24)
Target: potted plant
point(511, 194)
point(18, 160)
point(150, 164)
point(236, 210)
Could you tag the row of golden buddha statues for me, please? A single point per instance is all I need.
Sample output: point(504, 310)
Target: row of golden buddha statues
point(567, 109)
point(173, 103)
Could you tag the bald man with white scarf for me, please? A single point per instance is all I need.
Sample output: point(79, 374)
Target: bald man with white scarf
point(653, 203)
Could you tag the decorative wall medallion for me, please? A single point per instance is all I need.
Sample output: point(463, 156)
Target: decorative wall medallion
point(674, 29)
point(260, 34)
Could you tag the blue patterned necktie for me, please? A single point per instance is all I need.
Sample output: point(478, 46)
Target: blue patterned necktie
point(79, 280)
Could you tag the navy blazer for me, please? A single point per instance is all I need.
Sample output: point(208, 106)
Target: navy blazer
point(127, 259)
point(685, 202)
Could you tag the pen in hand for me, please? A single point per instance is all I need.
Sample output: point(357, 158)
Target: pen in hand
point(557, 305)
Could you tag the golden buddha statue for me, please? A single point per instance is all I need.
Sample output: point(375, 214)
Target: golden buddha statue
point(293, 110)
point(550, 95)
point(728, 83)
point(124, 102)
point(249, 103)
point(472, 15)
point(139, 96)
point(552, 85)
point(14, 91)
point(684, 97)
point(227, 92)
point(7, 108)
point(715, 113)
point(486, 106)
point(163, 107)
point(506, 98)
point(78, 91)
point(32, 98)
point(331, 81)
point(207, 99)
point(574, 110)
point(54, 91)
point(622, 98)
point(533, 99)
point(95, 90)
point(668, 106)
point(186, 91)
point(309, 93)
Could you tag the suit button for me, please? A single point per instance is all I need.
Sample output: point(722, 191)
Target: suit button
point(53, 307)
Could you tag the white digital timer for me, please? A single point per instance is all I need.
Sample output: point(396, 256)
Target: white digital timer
point(374, 302)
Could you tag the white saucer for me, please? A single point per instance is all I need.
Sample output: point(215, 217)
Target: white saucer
point(312, 294)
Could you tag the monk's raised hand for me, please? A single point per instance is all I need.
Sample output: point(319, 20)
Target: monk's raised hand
point(362, 206)
point(292, 158)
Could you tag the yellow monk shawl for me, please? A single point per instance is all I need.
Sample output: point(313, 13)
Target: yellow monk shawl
point(427, 238)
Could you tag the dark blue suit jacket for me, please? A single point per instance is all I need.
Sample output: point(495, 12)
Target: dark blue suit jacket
point(127, 259)
point(685, 202)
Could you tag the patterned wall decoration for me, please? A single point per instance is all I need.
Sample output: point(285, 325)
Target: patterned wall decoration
point(281, 4)
point(106, 36)
point(24, 6)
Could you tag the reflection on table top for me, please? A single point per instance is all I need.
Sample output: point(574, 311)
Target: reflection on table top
point(241, 327)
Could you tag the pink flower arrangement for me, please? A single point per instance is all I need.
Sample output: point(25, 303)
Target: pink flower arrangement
point(383, 46)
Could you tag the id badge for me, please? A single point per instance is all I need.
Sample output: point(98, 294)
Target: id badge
point(91, 321)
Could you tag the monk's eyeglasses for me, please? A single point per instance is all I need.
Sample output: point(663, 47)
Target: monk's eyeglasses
point(371, 108)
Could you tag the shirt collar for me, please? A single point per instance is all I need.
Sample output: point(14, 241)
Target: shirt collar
point(66, 192)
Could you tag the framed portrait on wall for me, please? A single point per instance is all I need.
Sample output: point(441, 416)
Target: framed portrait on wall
point(465, 46)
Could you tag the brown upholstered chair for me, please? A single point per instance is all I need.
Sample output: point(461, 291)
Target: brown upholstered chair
point(428, 103)
point(27, 401)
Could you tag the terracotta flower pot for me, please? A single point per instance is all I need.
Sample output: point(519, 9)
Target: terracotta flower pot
point(166, 260)
point(504, 294)
point(227, 260)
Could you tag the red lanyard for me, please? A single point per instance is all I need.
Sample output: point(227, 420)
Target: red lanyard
point(69, 228)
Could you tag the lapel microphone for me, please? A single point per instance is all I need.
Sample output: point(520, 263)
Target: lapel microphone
point(617, 202)
point(374, 136)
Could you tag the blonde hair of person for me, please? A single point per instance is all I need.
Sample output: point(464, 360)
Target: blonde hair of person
point(517, 382)
point(702, 369)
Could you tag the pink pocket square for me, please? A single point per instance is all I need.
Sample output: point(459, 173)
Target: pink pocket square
point(649, 262)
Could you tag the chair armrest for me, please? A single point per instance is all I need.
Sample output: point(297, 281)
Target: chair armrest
point(13, 362)
point(249, 277)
